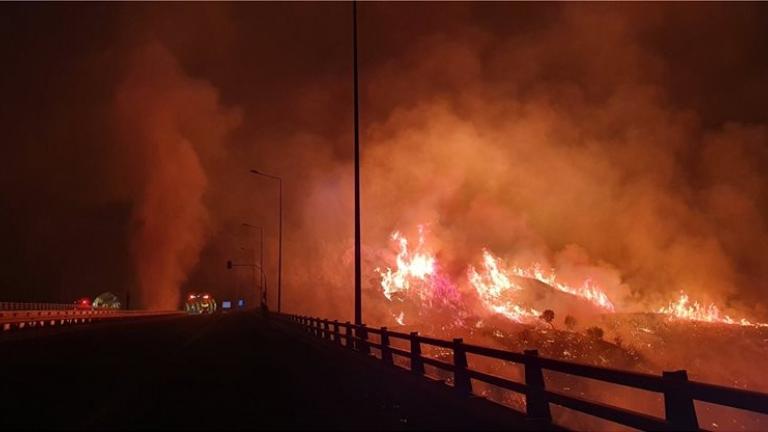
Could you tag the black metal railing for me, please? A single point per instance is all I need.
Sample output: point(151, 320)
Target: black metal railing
point(678, 392)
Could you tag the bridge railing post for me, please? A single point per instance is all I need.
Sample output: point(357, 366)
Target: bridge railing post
point(362, 334)
point(314, 326)
point(336, 336)
point(417, 365)
point(461, 382)
point(326, 329)
point(348, 335)
point(679, 408)
point(386, 353)
point(536, 405)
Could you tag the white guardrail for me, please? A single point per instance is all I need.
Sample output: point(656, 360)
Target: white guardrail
point(17, 316)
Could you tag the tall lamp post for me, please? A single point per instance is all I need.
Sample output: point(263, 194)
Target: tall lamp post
point(358, 265)
point(261, 252)
point(280, 239)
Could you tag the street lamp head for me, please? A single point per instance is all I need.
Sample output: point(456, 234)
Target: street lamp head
point(274, 177)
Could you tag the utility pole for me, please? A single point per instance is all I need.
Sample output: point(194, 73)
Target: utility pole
point(358, 267)
point(279, 238)
point(262, 285)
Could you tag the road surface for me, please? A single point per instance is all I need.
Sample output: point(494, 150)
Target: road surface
point(235, 370)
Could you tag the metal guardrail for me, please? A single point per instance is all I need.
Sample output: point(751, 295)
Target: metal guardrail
point(679, 393)
point(7, 306)
point(17, 316)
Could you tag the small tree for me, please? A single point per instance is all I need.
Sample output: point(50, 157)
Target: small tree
point(570, 322)
point(595, 332)
point(618, 341)
point(548, 316)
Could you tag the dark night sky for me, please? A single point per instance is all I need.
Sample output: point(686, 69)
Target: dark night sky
point(69, 186)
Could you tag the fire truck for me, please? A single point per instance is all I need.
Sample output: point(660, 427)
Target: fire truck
point(200, 303)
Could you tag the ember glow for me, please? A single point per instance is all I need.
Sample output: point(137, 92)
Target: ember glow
point(683, 308)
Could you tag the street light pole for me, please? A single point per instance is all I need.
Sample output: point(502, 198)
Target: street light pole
point(280, 238)
point(253, 273)
point(358, 266)
point(261, 253)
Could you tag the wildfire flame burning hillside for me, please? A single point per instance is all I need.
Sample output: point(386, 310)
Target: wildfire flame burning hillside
point(416, 273)
point(416, 266)
point(588, 290)
point(497, 286)
point(683, 308)
point(494, 288)
point(504, 303)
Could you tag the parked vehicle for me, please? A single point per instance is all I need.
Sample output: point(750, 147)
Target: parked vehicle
point(200, 303)
point(83, 304)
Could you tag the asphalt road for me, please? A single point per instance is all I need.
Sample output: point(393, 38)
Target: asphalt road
point(236, 370)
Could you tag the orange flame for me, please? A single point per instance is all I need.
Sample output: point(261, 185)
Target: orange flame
point(400, 318)
point(417, 265)
point(682, 308)
point(417, 272)
point(494, 288)
point(588, 289)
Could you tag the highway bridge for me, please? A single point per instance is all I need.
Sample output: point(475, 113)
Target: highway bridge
point(247, 369)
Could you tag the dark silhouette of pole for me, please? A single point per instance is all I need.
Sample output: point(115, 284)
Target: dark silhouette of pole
point(358, 269)
point(261, 254)
point(280, 253)
point(279, 237)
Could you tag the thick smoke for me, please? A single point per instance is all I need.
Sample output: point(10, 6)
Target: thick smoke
point(569, 143)
point(563, 146)
point(172, 124)
point(616, 141)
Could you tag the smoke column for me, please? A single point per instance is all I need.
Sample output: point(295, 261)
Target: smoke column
point(173, 124)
